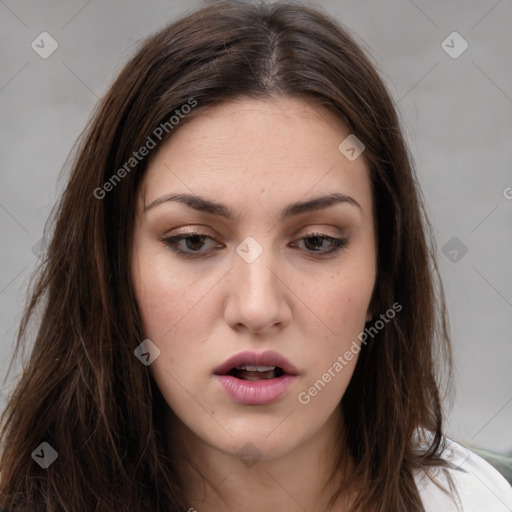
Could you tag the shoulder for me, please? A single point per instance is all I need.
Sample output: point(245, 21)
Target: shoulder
point(478, 485)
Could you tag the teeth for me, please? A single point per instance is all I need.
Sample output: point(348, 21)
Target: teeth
point(249, 368)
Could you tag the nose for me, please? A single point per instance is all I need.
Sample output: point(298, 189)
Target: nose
point(258, 298)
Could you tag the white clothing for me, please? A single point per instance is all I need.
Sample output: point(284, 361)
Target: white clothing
point(480, 487)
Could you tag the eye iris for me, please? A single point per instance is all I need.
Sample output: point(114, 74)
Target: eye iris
point(195, 242)
point(316, 242)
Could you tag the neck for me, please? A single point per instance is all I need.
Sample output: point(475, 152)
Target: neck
point(302, 479)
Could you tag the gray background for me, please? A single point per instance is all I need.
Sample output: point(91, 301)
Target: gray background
point(456, 113)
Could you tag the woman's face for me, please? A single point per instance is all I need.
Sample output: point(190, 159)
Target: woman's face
point(279, 265)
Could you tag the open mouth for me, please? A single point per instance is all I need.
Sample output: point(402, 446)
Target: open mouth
point(252, 378)
point(254, 373)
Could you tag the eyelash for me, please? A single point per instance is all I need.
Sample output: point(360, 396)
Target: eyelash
point(173, 241)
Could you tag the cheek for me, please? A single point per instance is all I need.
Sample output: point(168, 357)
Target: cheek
point(342, 301)
point(333, 359)
point(347, 308)
point(175, 318)
point(165, 296)
point(177, 311)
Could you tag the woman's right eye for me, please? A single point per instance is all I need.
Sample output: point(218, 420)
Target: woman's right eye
point(190, 244)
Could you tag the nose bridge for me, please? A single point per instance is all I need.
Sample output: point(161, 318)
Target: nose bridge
point(255, 298)
point(252, 267)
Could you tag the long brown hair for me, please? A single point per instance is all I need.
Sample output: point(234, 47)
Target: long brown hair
point(82, 390)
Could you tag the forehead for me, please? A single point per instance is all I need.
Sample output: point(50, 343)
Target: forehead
point(284, 146)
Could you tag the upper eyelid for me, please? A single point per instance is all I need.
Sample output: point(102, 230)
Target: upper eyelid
point(204, 230)
point(308, 234)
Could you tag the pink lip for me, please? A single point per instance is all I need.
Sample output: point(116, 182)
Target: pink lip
point(267, 358)
point(260, 392)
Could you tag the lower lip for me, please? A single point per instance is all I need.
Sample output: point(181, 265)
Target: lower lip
point(257, 392)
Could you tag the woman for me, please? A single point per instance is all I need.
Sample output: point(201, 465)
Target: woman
point(238, 304)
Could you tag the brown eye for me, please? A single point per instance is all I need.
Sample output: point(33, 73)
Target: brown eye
point(195, 242)
point(322, 244)
point(191, 244)
point(314, 243)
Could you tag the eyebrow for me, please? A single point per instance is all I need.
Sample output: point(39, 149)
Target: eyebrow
point(220, 210)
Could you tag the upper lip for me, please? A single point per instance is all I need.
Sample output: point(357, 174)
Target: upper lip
point(267, 358)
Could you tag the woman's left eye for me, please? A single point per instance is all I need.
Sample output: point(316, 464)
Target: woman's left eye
point(192, 244)
point(315, 243)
